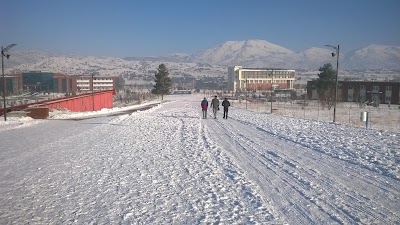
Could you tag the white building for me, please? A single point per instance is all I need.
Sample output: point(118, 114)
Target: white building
point(84, 83)
point(259, 79)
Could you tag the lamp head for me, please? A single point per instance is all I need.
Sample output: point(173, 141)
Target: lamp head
point(333, 54)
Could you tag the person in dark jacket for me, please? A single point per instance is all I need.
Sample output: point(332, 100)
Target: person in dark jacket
point(204, 107)
point(226, 105)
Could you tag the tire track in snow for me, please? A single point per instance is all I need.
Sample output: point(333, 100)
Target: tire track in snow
point(241, 184)
point(246, 138)
point(360, 177)
point(285, 198)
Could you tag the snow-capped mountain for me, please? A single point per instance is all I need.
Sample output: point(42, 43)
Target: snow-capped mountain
point(248, 53)
point(210, 62)
point(130, 67)
point(19, 57)
point(260, 53)
point(313, 58)
point(374, 56)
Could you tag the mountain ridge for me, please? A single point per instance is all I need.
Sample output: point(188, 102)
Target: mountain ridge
point(248, 53)
point(268, 54)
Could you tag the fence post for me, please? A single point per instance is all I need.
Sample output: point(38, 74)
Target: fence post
point(318, 109)
point(349, 114)
point(364, 118)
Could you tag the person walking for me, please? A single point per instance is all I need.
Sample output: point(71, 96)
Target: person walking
point(204, 107)
point(226, 105)
point(215, 106)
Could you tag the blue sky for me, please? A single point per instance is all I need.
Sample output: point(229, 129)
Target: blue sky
point(159, 27)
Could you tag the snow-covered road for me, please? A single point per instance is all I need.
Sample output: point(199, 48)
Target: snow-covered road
point(166, 165)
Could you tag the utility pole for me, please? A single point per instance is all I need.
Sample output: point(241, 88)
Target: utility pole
point(336, 83)
point(336, 79)
point(4, 85)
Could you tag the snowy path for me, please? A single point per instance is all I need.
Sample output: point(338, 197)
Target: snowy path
point(166, 165)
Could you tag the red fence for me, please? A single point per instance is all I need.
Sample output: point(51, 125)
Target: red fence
point(78, 103)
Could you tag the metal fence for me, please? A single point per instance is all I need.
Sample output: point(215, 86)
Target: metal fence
point(385, 117)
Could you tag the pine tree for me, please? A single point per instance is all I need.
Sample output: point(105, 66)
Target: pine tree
point(119, 83)
point(163, 82)
point(325, 84)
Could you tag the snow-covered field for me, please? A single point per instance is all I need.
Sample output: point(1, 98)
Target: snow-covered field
point(166, 165)
point(384, 117)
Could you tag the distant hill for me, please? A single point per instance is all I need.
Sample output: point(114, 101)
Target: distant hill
point(246, 53)
point(19, 57)
point(210, 62)
point(131, 68)
point(260, 53)
point(373, 57)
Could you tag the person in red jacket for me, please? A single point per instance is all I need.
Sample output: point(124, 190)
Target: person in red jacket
point(204, 107)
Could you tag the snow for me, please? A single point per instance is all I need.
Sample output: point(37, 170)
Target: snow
point(14, 122)
point(166, 165)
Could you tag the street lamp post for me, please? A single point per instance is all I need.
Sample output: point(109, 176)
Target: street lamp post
point(336, 79)
point(4, 52)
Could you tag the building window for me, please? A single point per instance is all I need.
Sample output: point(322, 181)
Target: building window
point(350, 87)
point(375, 88)
point(362, 87)
point(388, 88)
